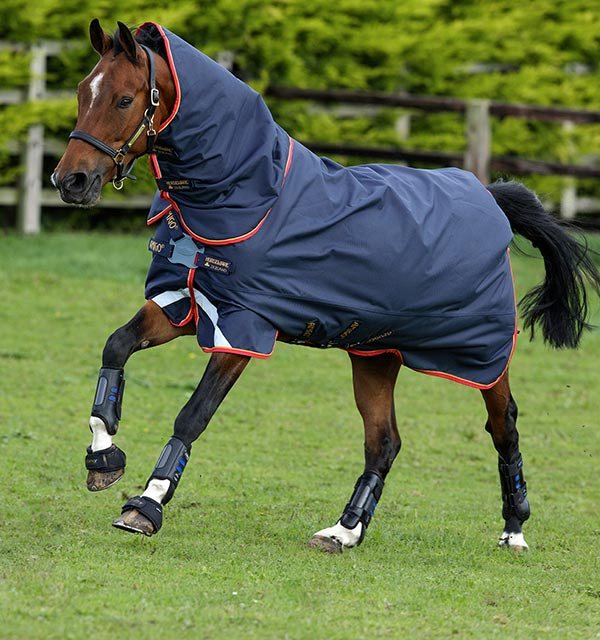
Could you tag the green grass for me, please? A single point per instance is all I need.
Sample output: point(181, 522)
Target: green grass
point(277, 463)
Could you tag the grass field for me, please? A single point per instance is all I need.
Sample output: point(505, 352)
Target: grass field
point(277, 463)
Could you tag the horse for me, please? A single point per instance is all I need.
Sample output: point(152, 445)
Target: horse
point(258, 240)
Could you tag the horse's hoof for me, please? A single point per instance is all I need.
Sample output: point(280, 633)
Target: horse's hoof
point(100, 480)
point(326, 544)
point(134, 522)
point(513, 541)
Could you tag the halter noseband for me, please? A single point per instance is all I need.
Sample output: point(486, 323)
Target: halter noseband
point(118, 155)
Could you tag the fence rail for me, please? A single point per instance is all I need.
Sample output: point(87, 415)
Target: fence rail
point(510, 164)
point(434, 103)
point(30, 197)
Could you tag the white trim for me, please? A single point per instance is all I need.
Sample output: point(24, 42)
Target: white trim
point(219, 340)
point(169, 297)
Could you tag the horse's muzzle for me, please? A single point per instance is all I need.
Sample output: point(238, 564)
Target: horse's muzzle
point(78, 187)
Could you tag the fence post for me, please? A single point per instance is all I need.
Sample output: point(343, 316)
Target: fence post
point(30, 197)
point(568, 195)
point(478, 138)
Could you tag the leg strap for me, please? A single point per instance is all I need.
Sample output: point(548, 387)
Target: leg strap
point(148, 508)
point(111, 459)
point(367, 492)
point(514, 489)
point(109, 396)
point(170, 465)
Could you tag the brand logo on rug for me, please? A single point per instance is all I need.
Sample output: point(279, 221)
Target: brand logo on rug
point(176, 185)
point(309, 329)
point(381, 336)
point(216, 264)
point(171, 221)
point(156, 247)
point(165, 151)
point(349, 329)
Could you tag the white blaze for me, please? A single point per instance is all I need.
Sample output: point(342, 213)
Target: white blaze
point(95, 87)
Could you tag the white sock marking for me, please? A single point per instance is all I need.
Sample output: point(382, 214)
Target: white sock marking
point(348, 537)
point(157, 490)
point(512, 540)
point(100, 437)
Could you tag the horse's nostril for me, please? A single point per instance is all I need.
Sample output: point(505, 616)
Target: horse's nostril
point(76, 182)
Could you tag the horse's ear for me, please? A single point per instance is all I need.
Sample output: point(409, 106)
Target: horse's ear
point(100, 40)
point(127, 41)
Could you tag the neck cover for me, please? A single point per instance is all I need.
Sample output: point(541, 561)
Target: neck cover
point(220, 157)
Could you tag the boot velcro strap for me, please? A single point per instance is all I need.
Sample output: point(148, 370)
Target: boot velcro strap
point(109, 397)
point(148, 508)
point(111, 459)
point(511, 469)
point(514, 489)
point(367, 492)
point(514, 483)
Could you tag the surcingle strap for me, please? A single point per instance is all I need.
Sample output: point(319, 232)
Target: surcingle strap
point(181, 251)
point(514, 489)
point(109, 396)
point(367, 493)
point(170, 465)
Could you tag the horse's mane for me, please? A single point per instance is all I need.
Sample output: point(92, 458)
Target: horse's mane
point(148, 36)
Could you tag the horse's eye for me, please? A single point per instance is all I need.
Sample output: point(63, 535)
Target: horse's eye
point(125, 102)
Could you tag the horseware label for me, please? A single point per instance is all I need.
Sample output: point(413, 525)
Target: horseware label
point(165, 151)
point(216, 264)
point(379, 337)
point(175, 185)
point(309, 329)
point(349, 329)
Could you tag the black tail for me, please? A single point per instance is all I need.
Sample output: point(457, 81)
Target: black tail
point(558, 304)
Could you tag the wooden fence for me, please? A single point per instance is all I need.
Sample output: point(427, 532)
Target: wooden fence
point(30, 197)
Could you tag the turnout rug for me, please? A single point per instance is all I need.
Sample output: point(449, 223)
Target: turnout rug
point(256, 237)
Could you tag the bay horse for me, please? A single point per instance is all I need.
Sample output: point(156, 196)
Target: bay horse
point(258, 240)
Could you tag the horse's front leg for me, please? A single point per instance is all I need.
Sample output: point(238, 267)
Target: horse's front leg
point(143, 514)
point(149, 327)
point(374, 378)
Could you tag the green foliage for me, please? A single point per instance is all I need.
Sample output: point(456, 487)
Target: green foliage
point(536, 52)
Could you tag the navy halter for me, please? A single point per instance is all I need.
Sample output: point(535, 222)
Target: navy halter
point(118, 155)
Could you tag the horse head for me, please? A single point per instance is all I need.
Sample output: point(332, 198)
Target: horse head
point(120, 106)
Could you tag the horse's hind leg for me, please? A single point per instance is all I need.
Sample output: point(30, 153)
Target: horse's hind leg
point(374, 378)
point(105, 462)
point(501, 424)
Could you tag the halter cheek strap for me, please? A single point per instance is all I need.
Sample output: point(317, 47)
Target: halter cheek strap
point(118, 155)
